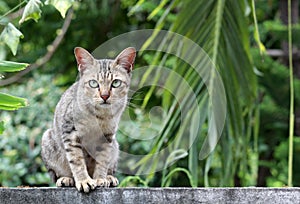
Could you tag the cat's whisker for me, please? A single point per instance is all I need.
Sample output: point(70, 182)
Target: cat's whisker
point(134, 91)
point(128, 104)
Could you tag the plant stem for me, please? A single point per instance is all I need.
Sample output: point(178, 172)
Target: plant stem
point(261, 47)
point(13, 9)
point(291, 125)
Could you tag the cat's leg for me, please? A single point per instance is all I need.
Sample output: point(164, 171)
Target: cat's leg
point(75, 157)
point(111, 171)
point(106, 159)
point(102, 159)
point(113, 164)
point(55, 161)
point(112, 180)
point(46, 150)
point(65, 182)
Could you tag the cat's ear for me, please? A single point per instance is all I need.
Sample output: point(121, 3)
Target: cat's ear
point(84, 58)
point(126, 58)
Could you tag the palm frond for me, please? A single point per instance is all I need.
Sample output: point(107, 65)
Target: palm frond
point(218, 27)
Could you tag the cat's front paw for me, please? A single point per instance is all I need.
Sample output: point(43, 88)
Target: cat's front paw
point(65, 182)
point(103, 182)
point(112, 180)
point(86, 185)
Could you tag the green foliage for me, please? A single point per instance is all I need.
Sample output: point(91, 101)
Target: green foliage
point(166, 181)
point(224, 37)
point(256, 126)
point(132, 181)
point(61, 6)
point(276, 89)
point(20, 163)
point(1, 127)
point(11, 37)
point(7, 66)
point(256, 31)
point(20, 142)
point(280, 32)
point(279, 172)
point(32, 11)
point(274, 116)
point(9, 102)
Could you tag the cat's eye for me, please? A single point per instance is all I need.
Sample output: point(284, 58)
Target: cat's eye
point(116, 83)
point(93, 84)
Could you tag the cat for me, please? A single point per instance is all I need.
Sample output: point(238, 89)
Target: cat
point(81, 149)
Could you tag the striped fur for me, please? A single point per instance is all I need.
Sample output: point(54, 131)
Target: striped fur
point(81, 148)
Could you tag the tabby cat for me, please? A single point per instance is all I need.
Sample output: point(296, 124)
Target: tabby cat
point(81, 148)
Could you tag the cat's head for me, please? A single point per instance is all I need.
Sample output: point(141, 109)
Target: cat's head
point(104, 82)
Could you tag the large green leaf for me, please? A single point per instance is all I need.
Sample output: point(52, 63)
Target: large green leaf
point(9, 102)
point(61, 5)
point(32, 11)
point(8, 66)
point(218, 26)
point(11, 37)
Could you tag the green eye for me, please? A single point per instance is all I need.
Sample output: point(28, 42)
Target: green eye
point(93, 84)
point(116, 83)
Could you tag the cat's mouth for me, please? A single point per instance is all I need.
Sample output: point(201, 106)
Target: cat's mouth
point(105, 104)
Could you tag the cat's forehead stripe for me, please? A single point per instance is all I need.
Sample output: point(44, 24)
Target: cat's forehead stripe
point(104, 68)
point(104, 65)
point(107, 72)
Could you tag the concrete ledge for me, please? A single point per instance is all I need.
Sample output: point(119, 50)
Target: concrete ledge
point(150, 195)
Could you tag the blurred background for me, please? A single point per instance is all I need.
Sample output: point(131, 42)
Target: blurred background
point(246, 40)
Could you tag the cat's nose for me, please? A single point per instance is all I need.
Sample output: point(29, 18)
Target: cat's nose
point(105, 97)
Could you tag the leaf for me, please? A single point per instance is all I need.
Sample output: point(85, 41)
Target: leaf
point(175, 156)
point(9, 102)
point(61, 5)
point(157, 9)
point(129, 179)
point(8, 66)
point(11, 37)
point(3, 51)
point(178, 169)
point(219, 28)
point(1, 127)
point(32, 11)
point(135, 8)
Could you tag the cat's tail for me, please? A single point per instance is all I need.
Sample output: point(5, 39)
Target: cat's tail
point(46, 139)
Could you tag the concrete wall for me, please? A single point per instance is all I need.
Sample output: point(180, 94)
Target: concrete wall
point(150, 195)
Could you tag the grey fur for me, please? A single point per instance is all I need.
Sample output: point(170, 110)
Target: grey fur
point(81, 148)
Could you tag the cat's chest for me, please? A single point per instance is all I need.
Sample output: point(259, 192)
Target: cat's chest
point(107, 125)
point(97, 126)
